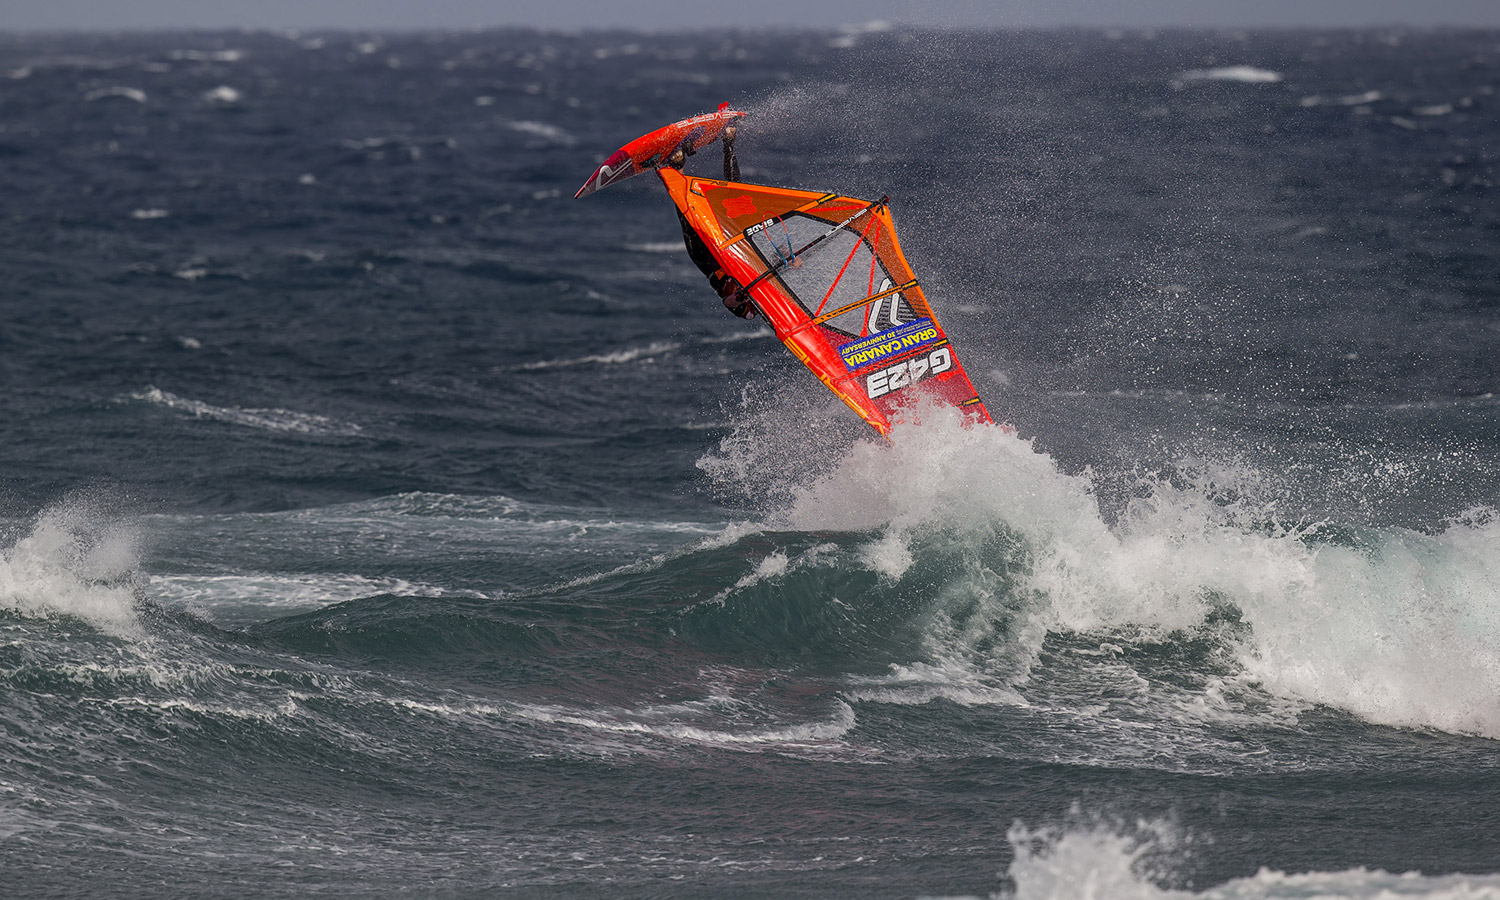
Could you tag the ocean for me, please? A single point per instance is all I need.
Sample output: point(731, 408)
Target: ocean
point(377, 520)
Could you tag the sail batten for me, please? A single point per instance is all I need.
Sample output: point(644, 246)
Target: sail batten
point(872, 338)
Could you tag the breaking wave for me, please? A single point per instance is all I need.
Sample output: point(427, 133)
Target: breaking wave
point(1097, 861)
point(1397, 626)
point(73, 563)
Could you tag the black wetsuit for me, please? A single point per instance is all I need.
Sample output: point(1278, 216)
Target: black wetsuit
point(722, 282)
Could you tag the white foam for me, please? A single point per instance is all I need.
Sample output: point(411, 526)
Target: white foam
point(629, 354)
point(283, 420)
point(147, 214)
point(734, 337)
point(1099, 862)
point(208, 55)
point(890, 555)
point(648, 722)
point(949, 678)
point(1346, 100)
point(656, 247)
point(223, 94)
point(73, 564)
point(126, 93)
point(774, 566)
point(286, 708)
point(544, 130)
point(1241, 74)
point(1092, 863)
point(263, 591)
point(1403, 630)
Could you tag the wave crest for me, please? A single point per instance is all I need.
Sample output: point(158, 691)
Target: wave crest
point(1394, 625)
point(73, 563)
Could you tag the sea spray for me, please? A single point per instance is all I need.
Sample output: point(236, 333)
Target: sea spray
point(1392, 624)
point(1094, 862)
point(1138, 862)
point(74, 562)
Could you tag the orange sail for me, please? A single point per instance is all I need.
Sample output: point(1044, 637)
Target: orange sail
point(828, 274)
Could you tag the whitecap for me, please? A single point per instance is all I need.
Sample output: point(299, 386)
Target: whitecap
point(72, 563)
point(774, 566)
point(630, 354)
point(1241, 74)
point(1399, 630)
point(279, 593)
point(126, 93)
point(919, 683)
point(543, 130)
point(282, 420)
point(626, 721)
point(207, 55)
point(223, 94)
point(734, 337)
point(1125, 863)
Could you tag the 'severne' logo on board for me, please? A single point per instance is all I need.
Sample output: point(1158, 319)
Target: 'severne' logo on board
point(886, 344)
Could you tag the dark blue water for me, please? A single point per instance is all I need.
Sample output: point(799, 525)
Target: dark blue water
point(376, 520)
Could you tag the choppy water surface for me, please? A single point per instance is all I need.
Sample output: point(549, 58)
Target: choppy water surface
point(379, 520)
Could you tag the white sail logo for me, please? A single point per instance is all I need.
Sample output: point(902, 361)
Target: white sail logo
point(903, 374)
point(885, 313)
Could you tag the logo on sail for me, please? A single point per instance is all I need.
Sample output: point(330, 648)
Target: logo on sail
point(902, 374)
point(886, 344)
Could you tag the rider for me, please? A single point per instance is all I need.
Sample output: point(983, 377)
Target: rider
point(736, 300)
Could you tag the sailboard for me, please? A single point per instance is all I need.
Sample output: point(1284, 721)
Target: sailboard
point(827, 273)
point(651, 150)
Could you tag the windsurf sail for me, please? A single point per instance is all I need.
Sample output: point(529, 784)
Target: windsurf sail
point(827, 272)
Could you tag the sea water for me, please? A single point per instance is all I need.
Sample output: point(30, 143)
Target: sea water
point(377, 520)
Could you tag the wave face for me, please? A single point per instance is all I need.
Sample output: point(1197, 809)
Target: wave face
point(375, 519)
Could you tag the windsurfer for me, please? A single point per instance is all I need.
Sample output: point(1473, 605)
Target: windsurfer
point(736, 300)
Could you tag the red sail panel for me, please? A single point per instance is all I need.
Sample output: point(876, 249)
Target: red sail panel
point(828, 274)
